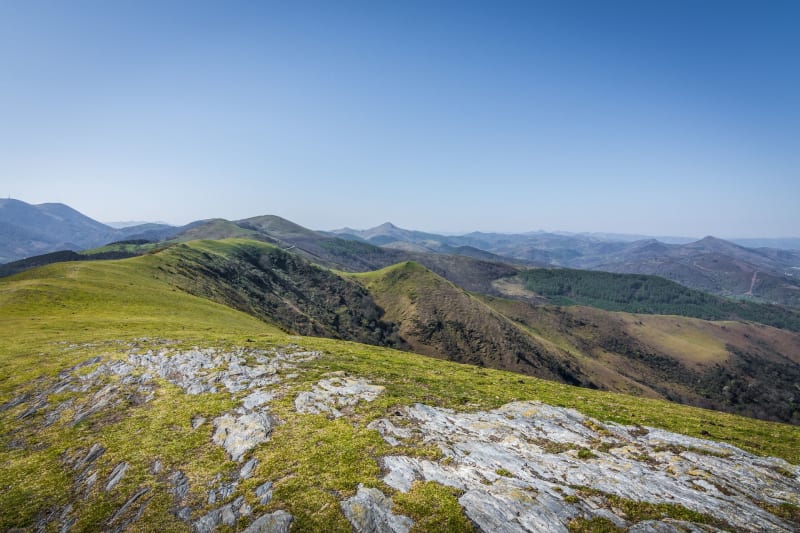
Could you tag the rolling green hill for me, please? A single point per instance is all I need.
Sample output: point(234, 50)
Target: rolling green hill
point(90, 439)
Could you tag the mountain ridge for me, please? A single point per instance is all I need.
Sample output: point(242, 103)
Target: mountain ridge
point(27, 230)
point(709, 264)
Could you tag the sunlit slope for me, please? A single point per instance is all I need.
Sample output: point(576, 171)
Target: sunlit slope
point(741, 367)
point(438, 318)
point(96, 300)
point(55, 317)
point(738, 367)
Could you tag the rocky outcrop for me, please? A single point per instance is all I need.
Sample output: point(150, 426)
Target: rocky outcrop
point(252, 376)
point(277, 522)
point(116, 475)
point(525, 466)
point(209, 370)
point(370, 511)
point(528, 466)
point(240, 434)
point(329, 396)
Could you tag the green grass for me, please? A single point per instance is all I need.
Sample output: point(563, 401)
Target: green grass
point(433, 507)
point(62, 314)
point(787, 511)
point(597, 524)
point(638, 511)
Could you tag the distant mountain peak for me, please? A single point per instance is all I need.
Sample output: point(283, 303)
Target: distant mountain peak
point(715, 243)
point(386, 226)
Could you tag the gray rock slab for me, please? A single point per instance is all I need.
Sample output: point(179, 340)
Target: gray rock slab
point(277, 522)
point(670, 526)
point(257, 398)
point(329, 395)
point(264, 493)
point(200, 371)
point(511, 482)
point(371, 511)
point(116, 475)
point(240, 434)
point(180, 485)
point(128, 503)
point(247, 469)
point(95, 451)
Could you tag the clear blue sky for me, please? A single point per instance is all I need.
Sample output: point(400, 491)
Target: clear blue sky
point(655, 117)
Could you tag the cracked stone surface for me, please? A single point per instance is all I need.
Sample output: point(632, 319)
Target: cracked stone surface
point(209, 369)
point(264, 493)
point(225, 515)
point(116, 475)
point(248, 374)
point(328, 396)
point(240, 434)
point(248, 468)
point(518, 466)
point(371, 511)
point(277, 522)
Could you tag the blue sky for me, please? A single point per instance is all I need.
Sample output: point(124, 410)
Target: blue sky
point(661, 118)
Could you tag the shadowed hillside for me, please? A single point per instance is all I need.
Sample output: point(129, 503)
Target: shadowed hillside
point(278, 287)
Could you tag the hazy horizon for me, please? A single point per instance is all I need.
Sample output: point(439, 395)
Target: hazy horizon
point(664, 119)
point(629, 235)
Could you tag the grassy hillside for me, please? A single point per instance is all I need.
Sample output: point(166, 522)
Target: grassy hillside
point(110, 251)
point(59, 316)
point(440, 319)
point(280, 287)
point(749, 369)
point(635, 293)
point(218, 228)
point(731, 366)
point(90, 301)
point(407, 306)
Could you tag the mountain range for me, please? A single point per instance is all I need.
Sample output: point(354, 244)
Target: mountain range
point(261, 376)
point(491, 313)
point(708, 264)
point(27, 230)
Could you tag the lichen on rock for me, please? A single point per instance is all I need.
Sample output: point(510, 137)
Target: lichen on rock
point(328, 396)
point(527, 466)
point(370, 511)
